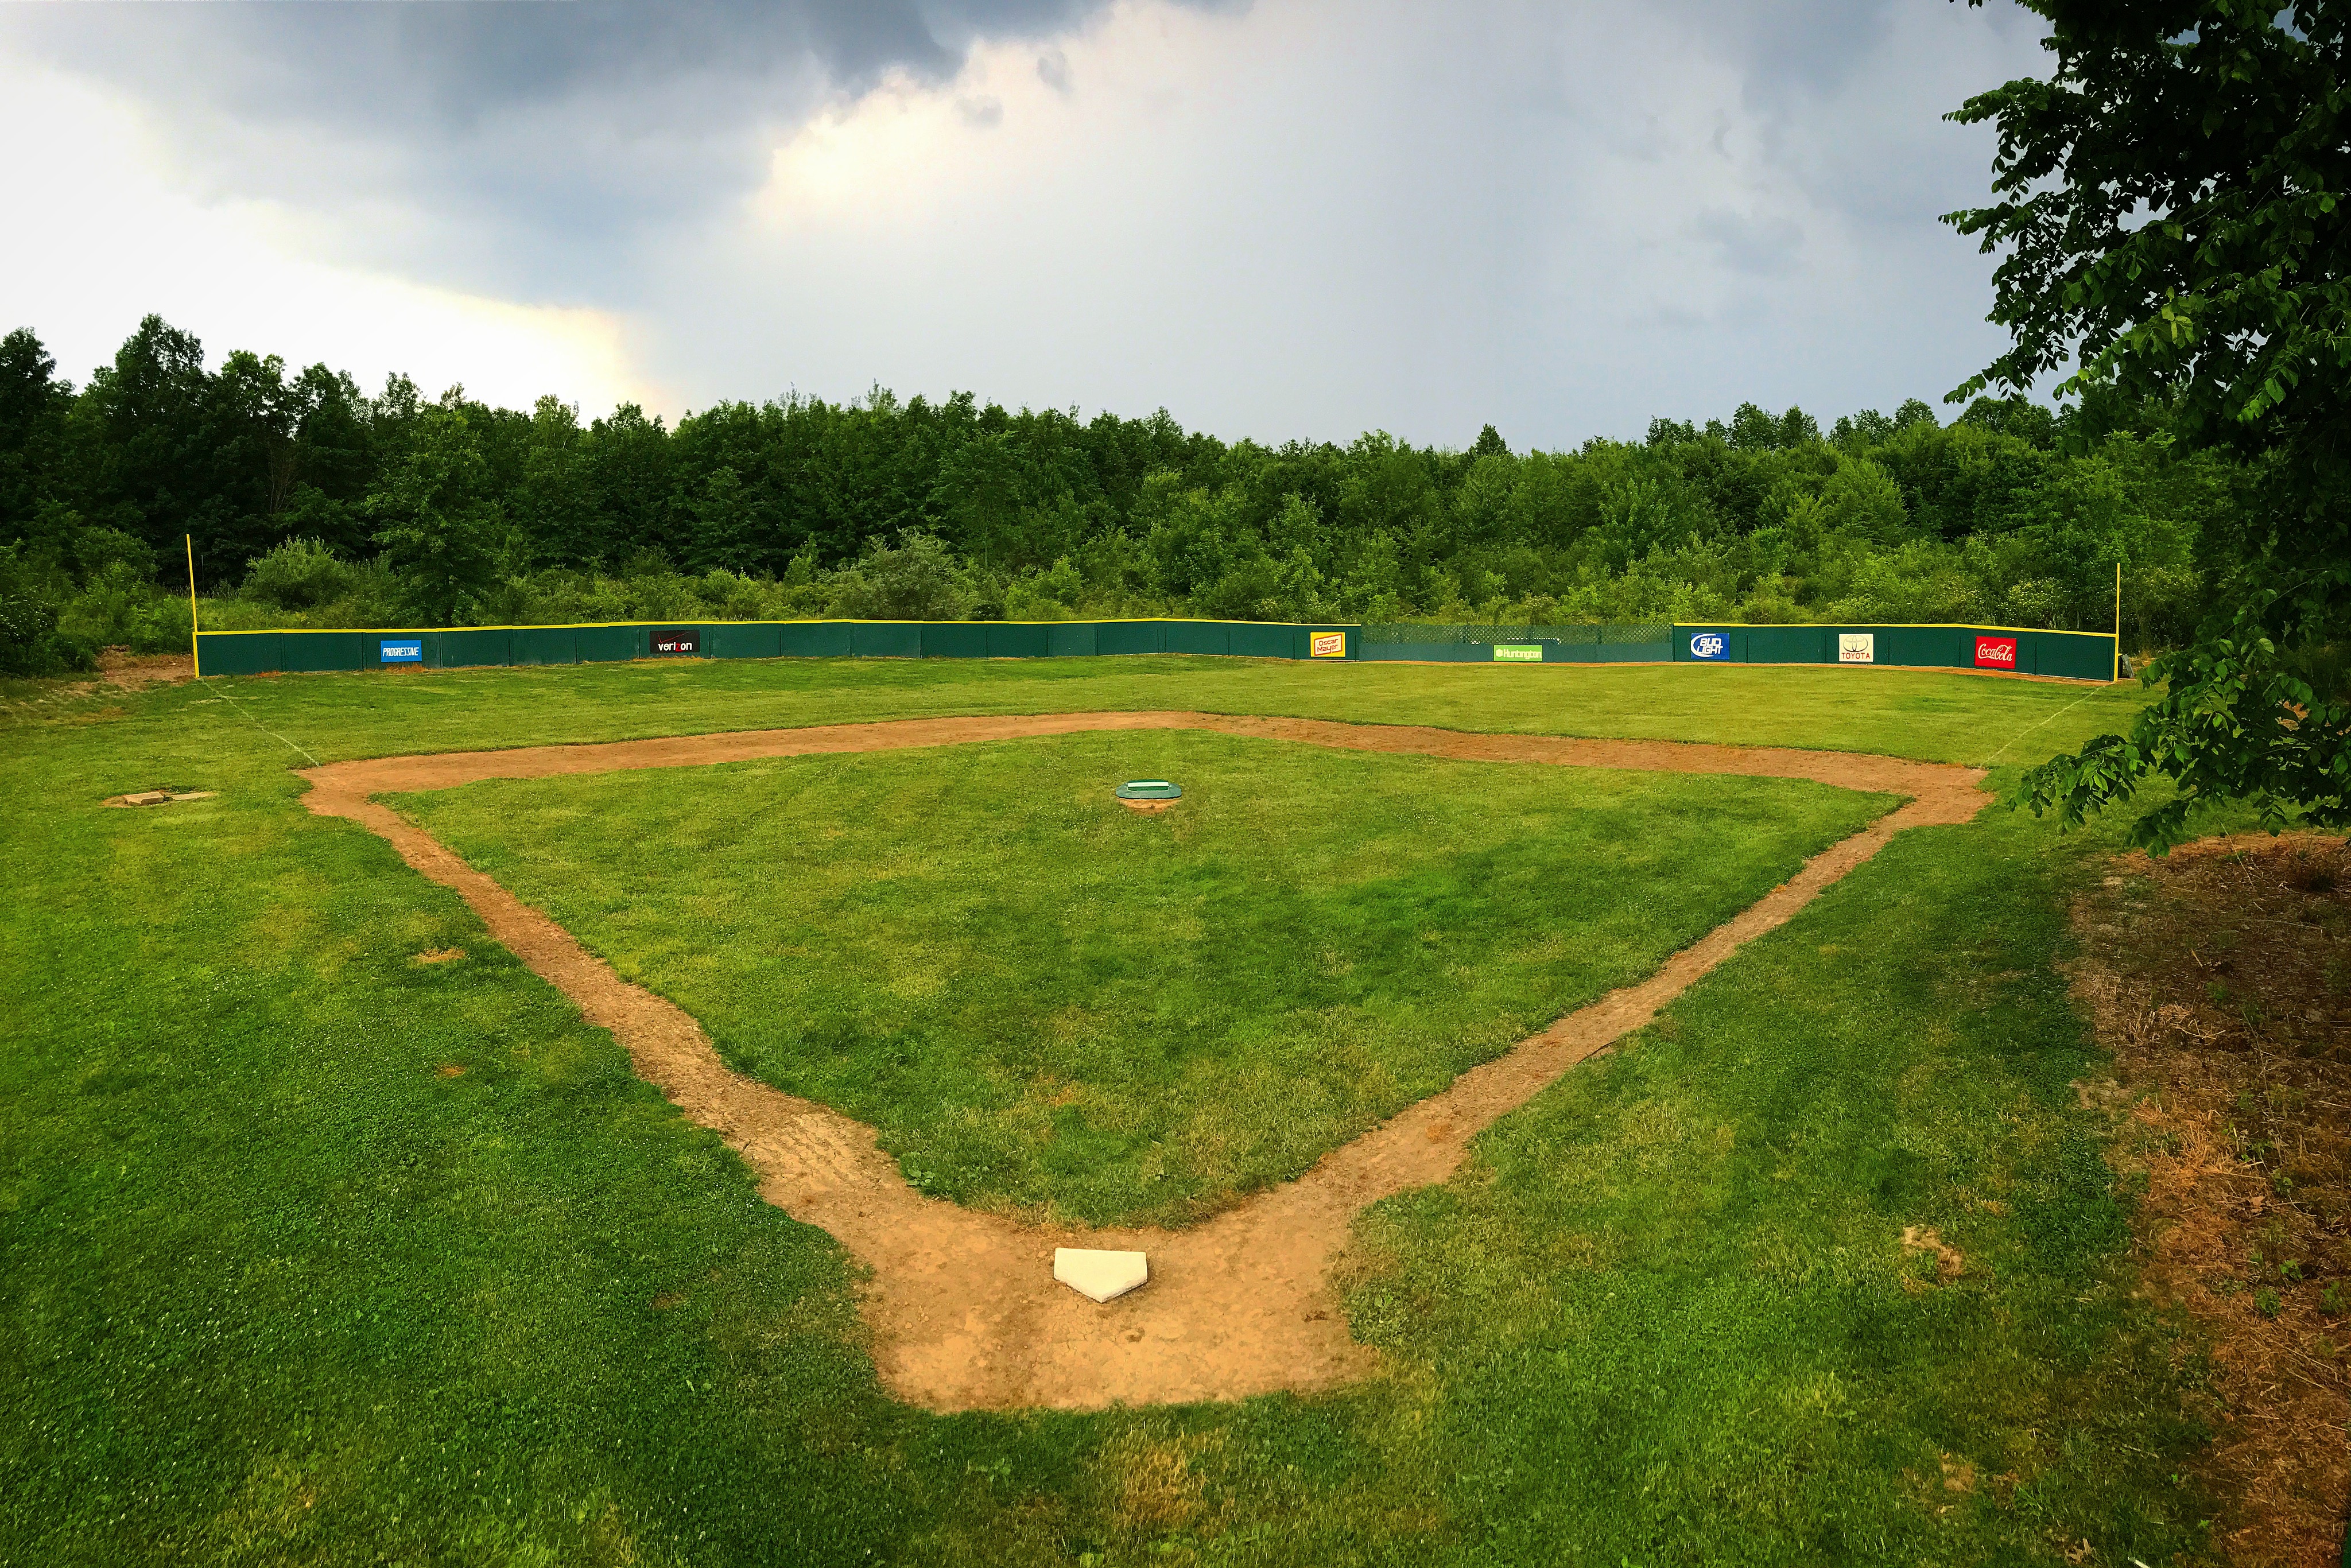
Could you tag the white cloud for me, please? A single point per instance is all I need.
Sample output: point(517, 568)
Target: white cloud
point(111, 233)
point(1299, 218)
point(1312, 219)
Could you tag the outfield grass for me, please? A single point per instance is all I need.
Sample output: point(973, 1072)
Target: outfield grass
point(1969, 719)
point(276, 1286)
point(1043, 999)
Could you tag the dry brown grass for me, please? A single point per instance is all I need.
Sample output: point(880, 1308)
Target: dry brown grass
point(2221, 978)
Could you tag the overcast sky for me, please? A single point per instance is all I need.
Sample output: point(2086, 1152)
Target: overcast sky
point(1284, 218)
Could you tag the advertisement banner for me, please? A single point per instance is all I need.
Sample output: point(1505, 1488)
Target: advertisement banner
point(1327, 646)
point(679, 642)
point(1710, 646)
point(1517, 653)
point(401, 650)
point(1995, 652)
point(1857, 647)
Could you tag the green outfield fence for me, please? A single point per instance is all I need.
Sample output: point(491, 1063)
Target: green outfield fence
point(2072, 655)
point(2076, 655)
point(262, 652)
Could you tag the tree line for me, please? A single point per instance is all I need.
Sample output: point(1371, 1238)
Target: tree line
point(309, 501)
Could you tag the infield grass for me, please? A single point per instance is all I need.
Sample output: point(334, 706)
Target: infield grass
point(1043, 999)
point(311, 1254)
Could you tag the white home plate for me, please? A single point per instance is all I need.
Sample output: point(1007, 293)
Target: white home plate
point(1098, 1276)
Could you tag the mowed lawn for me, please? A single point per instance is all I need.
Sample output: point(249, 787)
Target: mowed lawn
point(311, 1254)
point(1046, 1000)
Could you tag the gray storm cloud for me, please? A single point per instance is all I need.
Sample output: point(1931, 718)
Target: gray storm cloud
point(507, 138)
point(1274, 217)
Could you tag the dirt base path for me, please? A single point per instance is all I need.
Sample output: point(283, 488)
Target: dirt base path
point(963, 1305)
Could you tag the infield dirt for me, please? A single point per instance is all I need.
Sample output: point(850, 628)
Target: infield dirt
point(962, 1305)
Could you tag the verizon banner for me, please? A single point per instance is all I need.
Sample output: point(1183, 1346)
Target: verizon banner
point(1995, 652)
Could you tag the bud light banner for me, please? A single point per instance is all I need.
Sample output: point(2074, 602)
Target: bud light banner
point(1995, 652)
point(1710, 646)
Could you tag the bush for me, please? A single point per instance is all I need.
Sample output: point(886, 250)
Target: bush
point(916, 581)
point(1044, 595)
point(161, 626)
point(108, 605)
point(30, 643)
point(300, 574)
point(110, 553)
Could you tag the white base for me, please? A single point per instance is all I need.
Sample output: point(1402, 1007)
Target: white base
point(1098, 1276)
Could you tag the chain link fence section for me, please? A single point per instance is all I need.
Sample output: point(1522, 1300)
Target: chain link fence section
point(1593, 644)
point(1593, 636)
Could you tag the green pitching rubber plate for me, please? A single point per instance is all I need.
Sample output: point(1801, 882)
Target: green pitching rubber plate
point(1150, 790)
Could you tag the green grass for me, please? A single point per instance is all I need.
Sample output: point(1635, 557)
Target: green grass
point(1042, 998)
point(1667, 1308)
point(1940, 717)
point(274, 1290)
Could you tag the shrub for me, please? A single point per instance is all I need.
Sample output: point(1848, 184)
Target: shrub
point(300, 574)
point(730, 596)
point(108, 605)
point(110, 553)
point(915, 582)
point(1044, 595)
point(161, 626)
point(30, 643)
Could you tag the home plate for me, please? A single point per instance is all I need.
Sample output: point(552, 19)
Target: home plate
point(1098, 1276)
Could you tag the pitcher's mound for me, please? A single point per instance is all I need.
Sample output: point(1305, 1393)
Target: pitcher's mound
point(1148, 794)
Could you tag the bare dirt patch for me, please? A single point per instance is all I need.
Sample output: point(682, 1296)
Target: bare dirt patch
point(66, 700)
point(2221, 978)
point(120, 670)
point(963, 1305)
point(136, 672)
point(1950, 1262)
point(439, 955)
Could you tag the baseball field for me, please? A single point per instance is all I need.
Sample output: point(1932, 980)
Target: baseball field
point(626, 1114)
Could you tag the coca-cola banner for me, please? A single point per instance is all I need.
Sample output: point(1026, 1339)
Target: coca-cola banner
point(1996, 653)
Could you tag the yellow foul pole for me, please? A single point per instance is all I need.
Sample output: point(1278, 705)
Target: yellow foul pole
point(2118, 621)
point(195, 648)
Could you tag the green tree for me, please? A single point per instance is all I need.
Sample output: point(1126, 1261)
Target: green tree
point(1862, 499)
point(2172, 204)
point(627, 464)
point(33, 408)
point(150, 468)
point(551, 500)
point(979, 496)
point(438, 528)
point(725, 533)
